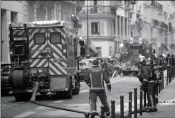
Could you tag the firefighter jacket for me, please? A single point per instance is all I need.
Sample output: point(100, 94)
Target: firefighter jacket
point(95, 78)
point(146, 73)
point(105, 68)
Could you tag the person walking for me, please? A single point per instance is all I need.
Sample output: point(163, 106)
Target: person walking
point(95, 78)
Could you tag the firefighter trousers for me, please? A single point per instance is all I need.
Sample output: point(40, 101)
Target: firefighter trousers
point(93, 99)
point(151, 95)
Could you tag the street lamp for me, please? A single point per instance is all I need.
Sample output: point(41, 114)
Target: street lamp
point(121, 45)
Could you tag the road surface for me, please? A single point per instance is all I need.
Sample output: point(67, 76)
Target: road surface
point(12, 109)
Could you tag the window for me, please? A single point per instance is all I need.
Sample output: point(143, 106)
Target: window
point(19, 49)
point(55, 38)
point(95, 28)
point(39, 38)
point(99, 51)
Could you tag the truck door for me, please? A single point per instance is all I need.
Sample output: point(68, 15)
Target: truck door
point(56, 42)
point(38, 48)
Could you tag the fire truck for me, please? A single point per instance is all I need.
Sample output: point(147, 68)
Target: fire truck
point(130, 51)
point(47, 52)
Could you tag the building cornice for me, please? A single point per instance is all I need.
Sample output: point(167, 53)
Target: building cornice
point(102, 38)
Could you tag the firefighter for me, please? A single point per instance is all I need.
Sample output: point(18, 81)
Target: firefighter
point(95, 78)
point(144, 74)
point(151, 85)
point(146, 77)
point(105, 67)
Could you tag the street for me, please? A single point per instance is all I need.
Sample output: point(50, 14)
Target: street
point(12, 109)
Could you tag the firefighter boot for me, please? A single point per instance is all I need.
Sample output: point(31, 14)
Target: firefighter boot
point(152, 106)
point(35, 89)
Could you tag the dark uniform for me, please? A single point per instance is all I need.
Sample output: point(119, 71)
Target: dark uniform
point(105, 68)
point(95, 78)
point(147, 78)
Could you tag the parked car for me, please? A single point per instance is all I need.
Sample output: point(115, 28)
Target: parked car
point(84, 65)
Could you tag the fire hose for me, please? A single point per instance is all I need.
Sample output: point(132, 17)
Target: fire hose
point(32, 100)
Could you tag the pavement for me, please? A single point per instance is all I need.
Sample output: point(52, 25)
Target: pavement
point(120, 86)
point(167, 109)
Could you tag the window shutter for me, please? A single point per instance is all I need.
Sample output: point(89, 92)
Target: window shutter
point(112, 26)
point(108, 28)
point(102, 29)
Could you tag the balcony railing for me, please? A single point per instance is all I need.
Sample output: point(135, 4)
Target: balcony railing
point(98, 10)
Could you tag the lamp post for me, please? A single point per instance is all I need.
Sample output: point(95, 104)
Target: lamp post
point(133, 2)
point(87, 51)
point(116, 6)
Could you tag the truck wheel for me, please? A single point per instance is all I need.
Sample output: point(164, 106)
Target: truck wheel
point(77, 89)
point(18, 79)
point(69, 93)
point(4, 92)
point(22, 96)
point(18, 97)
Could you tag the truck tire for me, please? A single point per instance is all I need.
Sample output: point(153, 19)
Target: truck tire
point(22, 96)
point(77, 89)
point(5, 92)
point(18, 79)
point(69, 93)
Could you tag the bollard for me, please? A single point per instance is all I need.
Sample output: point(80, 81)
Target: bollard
point(130, 105)
point(156, 93)
point(141, 98)
point(159, 87)
point(144, 99)
point(87, 115)
point(102, 112)
point(135, 103)
point(122, 106)
point(113, 109)
point(163, 81)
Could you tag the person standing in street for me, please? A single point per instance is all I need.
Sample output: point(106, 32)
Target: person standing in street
point(146, 78)
point(151, 80)
point(95, 78)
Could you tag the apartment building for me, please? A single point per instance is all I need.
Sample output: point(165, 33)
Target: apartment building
point(100, 25)
point(157, 19)
point(53, 10)
point(11, 11)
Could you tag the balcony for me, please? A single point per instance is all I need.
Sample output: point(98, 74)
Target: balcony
point(98, 12)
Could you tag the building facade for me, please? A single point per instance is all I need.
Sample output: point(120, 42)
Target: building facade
point(157, 17)
point(52, 10)
point(10, 14)
point(107, 24)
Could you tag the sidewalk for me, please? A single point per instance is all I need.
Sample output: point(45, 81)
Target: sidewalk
point(167, 109)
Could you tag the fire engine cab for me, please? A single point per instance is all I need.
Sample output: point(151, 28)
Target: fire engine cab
point(47, 52)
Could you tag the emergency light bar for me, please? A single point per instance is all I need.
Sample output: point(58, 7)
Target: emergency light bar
point(46, 22)
point(17, 24)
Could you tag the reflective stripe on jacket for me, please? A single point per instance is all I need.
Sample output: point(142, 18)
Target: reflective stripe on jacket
point(95, 78)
